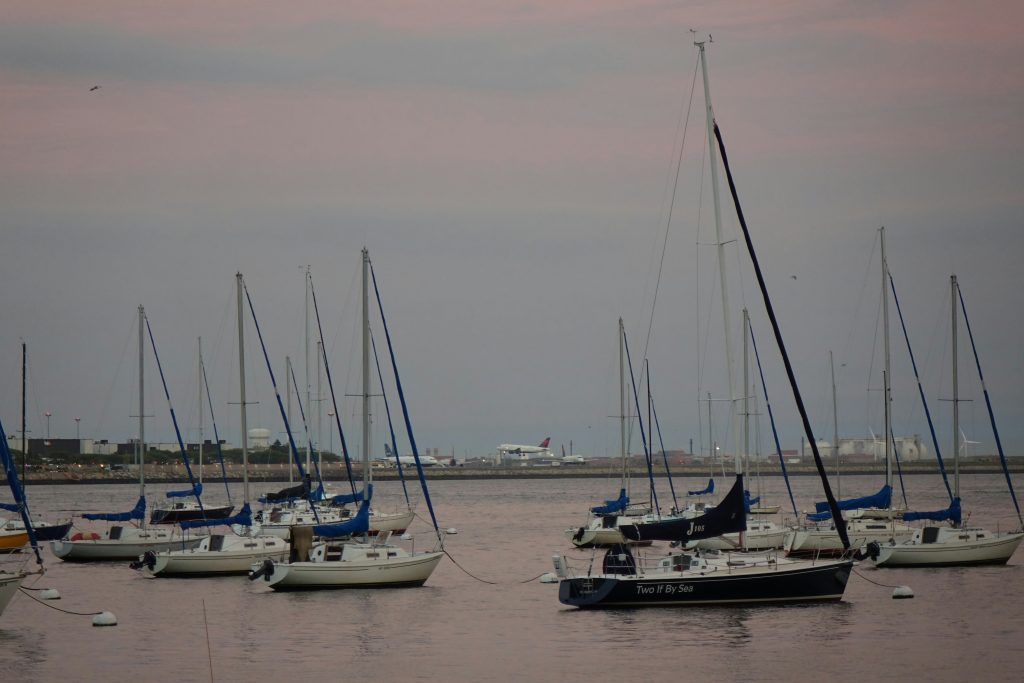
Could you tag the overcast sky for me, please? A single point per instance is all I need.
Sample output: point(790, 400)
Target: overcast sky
point(509, 165)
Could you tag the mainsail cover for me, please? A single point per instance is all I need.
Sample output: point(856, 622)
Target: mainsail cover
point(138, 512)
point(611, 506)
point(10, 507)
point(729, 516)
point(952, 513)
point(710, 489)
point(290, 493)
point(196, 490)
point(243, 518)
point(359, 524)
point(882, 499)
point(345, 498)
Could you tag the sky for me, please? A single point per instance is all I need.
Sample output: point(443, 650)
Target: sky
point(520, 172)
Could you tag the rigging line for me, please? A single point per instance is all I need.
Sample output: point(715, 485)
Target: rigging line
point(209, 652)
point(59, 609)
point(883, 585)
point(671, 206)
point(113, 383)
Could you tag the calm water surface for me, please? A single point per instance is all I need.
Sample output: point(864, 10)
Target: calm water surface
point(964, 624)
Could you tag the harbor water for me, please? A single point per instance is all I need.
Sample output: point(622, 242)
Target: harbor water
point(500, 624)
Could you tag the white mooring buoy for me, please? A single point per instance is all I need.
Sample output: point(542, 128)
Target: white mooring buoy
point(550, 577)
point(451, 531)
point(49, 594)
point(902, 593)
point(104, 619)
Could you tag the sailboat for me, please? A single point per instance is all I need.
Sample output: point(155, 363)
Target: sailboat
point(711, 577)
point(331, 563)
point(13, 533)
point(868, 518)
point(124, 542)
point(222, 554)
point(761, 533)
point(182, 510)
point(602, 530)
point(10, 581)
point(957, 544)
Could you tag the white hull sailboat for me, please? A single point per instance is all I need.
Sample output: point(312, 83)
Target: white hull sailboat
point(822, 539)
point(217, 554)
point(957, 545)
point(948, 547)
point(337, 564)
point(352, 565)
point(126, 542)
point(760, 535)
point(119, 543)
point(9, 584)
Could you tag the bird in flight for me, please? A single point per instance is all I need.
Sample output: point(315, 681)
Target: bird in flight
point(95, 87)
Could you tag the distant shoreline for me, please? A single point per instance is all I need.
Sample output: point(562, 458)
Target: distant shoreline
point(264, 473)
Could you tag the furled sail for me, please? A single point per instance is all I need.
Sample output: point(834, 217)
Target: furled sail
point(710, 489)
point(729, 516)
point(10, 507)
point(196, 490)
point(138, 512)
point(243, 518)
point(952, 513)
point(290, 493)
point(359, 524)
point(882, 499)
point(611, 506)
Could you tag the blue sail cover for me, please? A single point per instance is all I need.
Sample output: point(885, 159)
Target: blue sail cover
point(359, 524)
point(345, 498)
point(709, 489)
point(882, 499)
point(243, 518)
point(10, 507)
point(952, 513)
point(138, 512)
point(729, 516)
point(611, 506)
point(196, 490)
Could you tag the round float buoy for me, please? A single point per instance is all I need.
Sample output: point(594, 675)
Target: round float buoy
point(49, 594)
point(902, 593)
point(104, 619)
point(550, 577)
point(451, 531)
point(85, 536)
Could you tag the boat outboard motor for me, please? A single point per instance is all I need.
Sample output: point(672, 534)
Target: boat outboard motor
point(266, 570)
point(148, 559)
point(874, 550)
point(578, 536)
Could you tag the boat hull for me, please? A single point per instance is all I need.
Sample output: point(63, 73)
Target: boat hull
point(9, 584)
point(405, 572)
point(822, 581)
point(13, 541)
point(105, 549)
point(825, 542)
point(232, 556)
point(991, 550)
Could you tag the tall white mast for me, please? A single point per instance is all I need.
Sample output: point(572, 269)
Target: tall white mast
point(288, 391)
point(142, 408)
point(366, 368)
point(319, 410)
point(713, 164)
point(200, 385)
point(241, 391)
point(309, 386)
point(746, 389)
point(887, 390)
point(956, 398)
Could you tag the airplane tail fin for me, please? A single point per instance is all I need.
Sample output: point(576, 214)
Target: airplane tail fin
point(387, 451)
point(545, 442)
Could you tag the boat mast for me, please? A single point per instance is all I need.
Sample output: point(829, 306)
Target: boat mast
point(746, 392)
point(835, 424)
point(723, 281)
point(241, 391)
point(366, 369)
point(622, 402)
point(309, 386)
point(24, 441)
point(956, 402)
point(142, 410)
point(319, 411)
point(288, 392)
point(887, 389)
point(200, 384)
